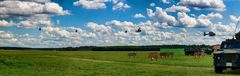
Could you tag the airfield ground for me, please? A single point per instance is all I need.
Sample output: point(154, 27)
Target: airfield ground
point(92, 63)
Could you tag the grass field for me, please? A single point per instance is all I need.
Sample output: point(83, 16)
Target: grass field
point(92, 63)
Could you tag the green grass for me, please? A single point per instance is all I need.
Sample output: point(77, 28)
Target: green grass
point(89, 63)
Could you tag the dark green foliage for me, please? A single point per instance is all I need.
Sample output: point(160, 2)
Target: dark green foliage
point(110, 48)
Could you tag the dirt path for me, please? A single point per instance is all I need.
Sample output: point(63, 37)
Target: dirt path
point(186, 68)
point(142, 64)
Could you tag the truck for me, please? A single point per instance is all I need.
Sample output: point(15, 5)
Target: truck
point(228, 56)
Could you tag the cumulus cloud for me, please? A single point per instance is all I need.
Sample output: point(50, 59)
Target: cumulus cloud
point(28, 9)
point(211, 15)
point(7, 38)
point(91, 4)
point(121, 25)
point(139, 15)
point(151, 35)
point(30, 12)
point(121, 6)
point(152, 4)
point(56, 31)
point(35, 0)
point(234, 19)
point(101, 4)
point(6, 35)
point(31, 23)
point(204, 4)
point(220, 27)
point(177, 8)
point(186, 20)
point(166, 1)
point(155, 31)
point(4, 23)
point(161, 16)
point(202, 20)
point(98, 28)
point(54, 8)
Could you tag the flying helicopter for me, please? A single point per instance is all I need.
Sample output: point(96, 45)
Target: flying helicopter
point(125, 31)
point(139, 30)
point(40, 29)
point(209, 33)
point(235, 35)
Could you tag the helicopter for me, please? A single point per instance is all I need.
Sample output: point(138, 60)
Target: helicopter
point(139, 30)
point(209, 33)
point(40, 29)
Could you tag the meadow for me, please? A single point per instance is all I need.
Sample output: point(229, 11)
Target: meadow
point(103, 63)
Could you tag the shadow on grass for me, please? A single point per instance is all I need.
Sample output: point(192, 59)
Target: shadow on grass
point(232, 72)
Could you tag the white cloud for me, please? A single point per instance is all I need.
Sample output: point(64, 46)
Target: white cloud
point(30, 12)
point(151, 35)
point(54, 8)
point(91, 4)
point(147, 26)
point(121, 6)
point(161, 16)
point(113, 32)
point(98, 28)
point(89, 35)
point(234, 19)
point(35, 0)
point(119, 23)
point(204, 4)
point(152, 4)
point(31, 23)
point(56, 31)
point(139, 15)
point(121, 34)
point(211, 15)
point(8, 39)
point(101, 4)
point(186, 20)
point(4, 23)
point(220, 27)
point(28, 9)
point(177, 8)
point(150, 13)
point(6, 35)
point(204, 20)
point(166, 1)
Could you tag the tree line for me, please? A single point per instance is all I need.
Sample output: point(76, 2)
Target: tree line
point(110, 48)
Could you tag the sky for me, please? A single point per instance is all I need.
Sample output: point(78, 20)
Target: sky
point(74, 23)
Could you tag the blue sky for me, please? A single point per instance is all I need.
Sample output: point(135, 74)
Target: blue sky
point(104, 22)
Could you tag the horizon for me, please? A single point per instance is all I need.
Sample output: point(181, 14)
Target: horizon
point(75, 23)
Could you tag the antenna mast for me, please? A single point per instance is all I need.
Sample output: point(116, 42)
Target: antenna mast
point(235, 29)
